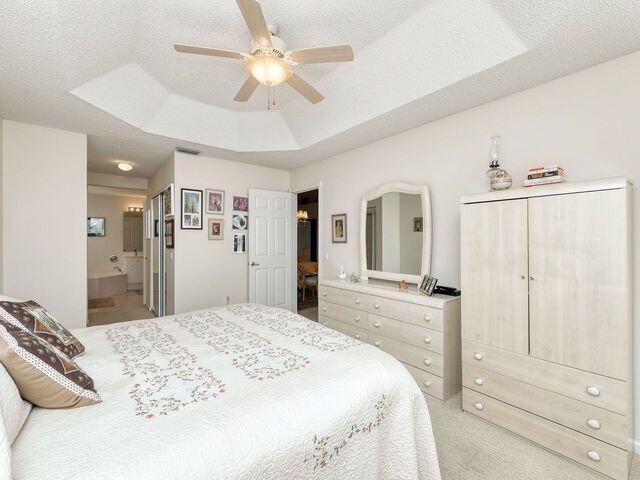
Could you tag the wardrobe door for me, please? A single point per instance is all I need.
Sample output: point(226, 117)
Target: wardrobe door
point(494, 274)
point(578, 280)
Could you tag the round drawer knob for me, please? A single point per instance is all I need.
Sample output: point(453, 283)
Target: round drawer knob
point(478, 406)
point(324, 309)
point(593, 391)
point(427, 383)
point(324, 294)
point(523, 276)
point(593, 423)
point(427, 339)
point(377, 343)
point(593, 455)
point(357, 301)
point(377, 325)
point(376, 306)
point(478, 381)
point(357, 319)
point(427, 361)
point(427, 318)
point(357, 336)
point(478, 356)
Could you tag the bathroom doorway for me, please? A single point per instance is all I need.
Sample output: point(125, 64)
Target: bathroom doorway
point(308, 252)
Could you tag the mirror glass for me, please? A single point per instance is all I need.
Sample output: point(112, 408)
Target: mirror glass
point(132, 227)
point(394, 233)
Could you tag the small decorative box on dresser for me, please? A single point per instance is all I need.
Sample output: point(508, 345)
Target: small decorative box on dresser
point(422, 332)
point(547, 317)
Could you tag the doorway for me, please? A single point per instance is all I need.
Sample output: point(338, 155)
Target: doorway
point(308, 252)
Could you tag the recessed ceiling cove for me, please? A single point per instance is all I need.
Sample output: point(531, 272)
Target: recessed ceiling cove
point(110, 69)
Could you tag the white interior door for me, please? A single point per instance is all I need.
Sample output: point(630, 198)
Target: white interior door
point(271, 260)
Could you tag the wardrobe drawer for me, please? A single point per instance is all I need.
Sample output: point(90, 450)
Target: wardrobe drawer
point(407, 312)
point(603, 392)
point(342, 297)
point(342, 327)
point(596, 422)
point(431, 340)
point(357, 318)
point(580, 448)
point(427, 382)
point(410, 354)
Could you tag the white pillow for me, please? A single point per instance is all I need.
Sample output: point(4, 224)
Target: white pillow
point(13, 409)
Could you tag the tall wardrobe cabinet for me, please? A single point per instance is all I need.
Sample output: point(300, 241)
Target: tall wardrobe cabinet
point(547, 317)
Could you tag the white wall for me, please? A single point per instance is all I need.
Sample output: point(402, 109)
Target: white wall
point(588, 122)
point(44, 214)
point(111, 207)
point(119, 181)
point(207, 271)
point(1, 202)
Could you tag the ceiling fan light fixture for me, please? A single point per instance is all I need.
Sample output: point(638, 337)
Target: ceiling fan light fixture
point(269, 70)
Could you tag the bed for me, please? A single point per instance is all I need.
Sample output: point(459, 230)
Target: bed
point(240, 392)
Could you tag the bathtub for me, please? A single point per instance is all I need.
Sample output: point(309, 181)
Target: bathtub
point(104, 281)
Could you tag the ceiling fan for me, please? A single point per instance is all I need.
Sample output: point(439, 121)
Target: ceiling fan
point(269, 63)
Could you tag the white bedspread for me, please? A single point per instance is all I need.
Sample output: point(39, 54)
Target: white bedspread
point(240, 392)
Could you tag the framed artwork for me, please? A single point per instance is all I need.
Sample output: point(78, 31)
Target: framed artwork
point(95, 227)
point(216, 229)
point(239, 222)
point(191, 209)
point(428, 284)
point(339, 228)
point(215, 201)
point(169, 210)
point(239, 243)
point(169, 233)
point(417, 224)
point(240, 204)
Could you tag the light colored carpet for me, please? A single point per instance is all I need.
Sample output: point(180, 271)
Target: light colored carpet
point(472, 449)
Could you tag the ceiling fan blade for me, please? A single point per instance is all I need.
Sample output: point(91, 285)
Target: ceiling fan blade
point(252, 13)
point(305, 89)
point(337, 53)
point(246, 90)
point(214, 52)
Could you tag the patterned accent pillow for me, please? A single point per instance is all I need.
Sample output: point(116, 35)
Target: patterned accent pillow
point(44, 375)
point(32, 317)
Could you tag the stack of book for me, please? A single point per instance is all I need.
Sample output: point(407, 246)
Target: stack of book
point(544, 176)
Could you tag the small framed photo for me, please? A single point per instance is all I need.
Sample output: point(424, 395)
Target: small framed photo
point(239, 222)
point(339, 228)
point(169, 233)
point(239, 243)
point(240, 204)
point(216, 229)
point(191, 209)
point(417, 224)
point(215, 201)
point(95, 227)
point(427, 285)
point(169, 210)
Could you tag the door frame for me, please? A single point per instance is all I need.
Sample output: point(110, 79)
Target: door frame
point(307, 188)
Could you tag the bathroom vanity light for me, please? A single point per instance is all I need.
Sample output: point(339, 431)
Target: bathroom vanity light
point(135, 209)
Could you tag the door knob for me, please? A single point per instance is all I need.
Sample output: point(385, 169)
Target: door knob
point(254, 264)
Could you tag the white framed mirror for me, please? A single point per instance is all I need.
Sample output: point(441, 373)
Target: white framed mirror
point(395, 233)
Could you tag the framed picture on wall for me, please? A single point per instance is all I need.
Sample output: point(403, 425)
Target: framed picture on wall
point(95, 227)
point(191, 209)
point(417, 224)
point(339, 228)
point(214, 201)
point(169, 210)
point(239, 243)
point(239, 222)
point(240, 204)
point(216, 229)
point(169, 233)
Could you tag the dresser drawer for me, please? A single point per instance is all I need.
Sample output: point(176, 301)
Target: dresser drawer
point(415, 356)
point(596, 422)
point(427, 382)
point(357, 318)
point(342, 327)
point(407, 312)
point(342, 297)
point(431, 340)
point(580, 448)
point(603, 392)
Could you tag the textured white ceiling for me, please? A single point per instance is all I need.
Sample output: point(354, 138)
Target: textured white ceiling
point(415, 61)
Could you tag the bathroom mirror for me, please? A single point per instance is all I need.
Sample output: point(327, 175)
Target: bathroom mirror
point(395, 233)
point(133, 231)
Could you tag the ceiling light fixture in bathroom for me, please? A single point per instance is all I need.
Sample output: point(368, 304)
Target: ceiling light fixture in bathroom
point(125, 167)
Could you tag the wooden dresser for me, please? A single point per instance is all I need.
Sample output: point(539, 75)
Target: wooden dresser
point(547, 317)
point(422, 332)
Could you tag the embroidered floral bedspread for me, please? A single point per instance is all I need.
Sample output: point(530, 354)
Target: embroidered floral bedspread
point(239, 392)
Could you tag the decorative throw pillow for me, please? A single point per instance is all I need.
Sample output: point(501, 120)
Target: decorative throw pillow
point(44, 375)
point(32, 317)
